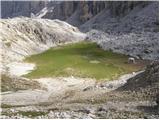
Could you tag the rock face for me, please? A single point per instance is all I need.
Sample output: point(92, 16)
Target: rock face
point(21, 37)
point(62, 10)
point(21, 8)
point(84, 10)
point(76, 12)
point(142, 18)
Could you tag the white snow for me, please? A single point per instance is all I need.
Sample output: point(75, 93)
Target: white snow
point(18, 69)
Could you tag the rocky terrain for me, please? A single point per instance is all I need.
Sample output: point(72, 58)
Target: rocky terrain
point(21, 37)
point(139, 45)
point(130, 28)
point(135, 34)
point(84, 98)
point(114, 22)
point(74, 12)
point(62, 10)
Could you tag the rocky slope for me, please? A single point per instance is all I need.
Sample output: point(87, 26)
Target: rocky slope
point(141, 18)
point(142, 45)
point(21, 37)
point(134, 34)
point(85, 98)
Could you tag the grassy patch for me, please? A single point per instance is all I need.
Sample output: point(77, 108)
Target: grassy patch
point(10, 106)
point(82, 59)
point(8, 44)
point(14, 84)
point(32, 114)
point(6, 84)
point(6, 106)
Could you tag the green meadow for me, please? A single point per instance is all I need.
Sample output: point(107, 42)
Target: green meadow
point(84, 59)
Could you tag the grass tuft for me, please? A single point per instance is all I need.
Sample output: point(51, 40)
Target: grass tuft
point(32, 114)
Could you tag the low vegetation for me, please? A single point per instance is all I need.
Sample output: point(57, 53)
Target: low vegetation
point(32, 114)
point(9, 83)
point(10, 106)
point(82, 59)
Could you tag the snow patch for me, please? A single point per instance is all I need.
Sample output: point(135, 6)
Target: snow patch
point(19, 69)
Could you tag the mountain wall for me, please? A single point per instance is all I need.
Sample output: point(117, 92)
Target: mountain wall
point(20, 8)
point(66, 10)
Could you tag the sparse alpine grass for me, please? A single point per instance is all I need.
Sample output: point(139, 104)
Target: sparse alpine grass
point(82, 59)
